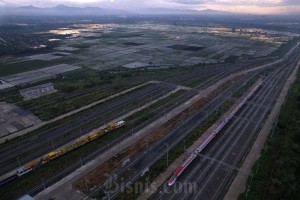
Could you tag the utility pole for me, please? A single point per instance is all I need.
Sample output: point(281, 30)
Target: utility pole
point(43, 184)
point(107, 194)
point(86, 185)
point(257, 168)
point(18, 162)
point(274, 126)
point(52, 145)
point(249, 186)
point(167, 144)
point(147, 143)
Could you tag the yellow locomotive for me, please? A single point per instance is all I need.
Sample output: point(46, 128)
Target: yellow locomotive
point(67, 148)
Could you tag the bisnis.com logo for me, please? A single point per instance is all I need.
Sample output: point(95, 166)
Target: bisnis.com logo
point(115, 184)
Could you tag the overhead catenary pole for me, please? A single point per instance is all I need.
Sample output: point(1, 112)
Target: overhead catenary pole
point(18, 162)
point(274, 126)
point(43, 184)
point(52, 145)
point(86, 185)
point(167, 144)
point(108, 195)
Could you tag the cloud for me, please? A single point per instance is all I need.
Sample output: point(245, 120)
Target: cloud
point(291, 2)
point(249, 6)
point(239, 2)
point(192, 1)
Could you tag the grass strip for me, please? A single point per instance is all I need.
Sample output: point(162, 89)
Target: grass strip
point(277, 171)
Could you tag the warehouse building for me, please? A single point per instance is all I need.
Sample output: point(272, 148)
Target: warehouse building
point(37, 91)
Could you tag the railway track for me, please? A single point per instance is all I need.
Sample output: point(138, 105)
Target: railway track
point(185, 79)
point(43, 142)
point(74, 165)
point(157, 151)
point(219, 148)
point(219, 161)
point(215, 73)
point(13, 157)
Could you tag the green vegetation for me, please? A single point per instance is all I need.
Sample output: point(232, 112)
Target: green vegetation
point(154, 109)
point(120, 33)
point(84, 77)
point(284, 48)
point(231, 59)
point(18, 67)
point(76, 90)
point(23, 66)
point(10, 95)
point(53, 125)
point(87, 125)
point(277, 171)
point(80, 45)
point(99, 120)
point(246, 87)
point(85, 86)
point(196, 82)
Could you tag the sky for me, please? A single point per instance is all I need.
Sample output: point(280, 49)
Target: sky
point(237, 6)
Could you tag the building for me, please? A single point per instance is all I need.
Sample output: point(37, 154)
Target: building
point(37, 91)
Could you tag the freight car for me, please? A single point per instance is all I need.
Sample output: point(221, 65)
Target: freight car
point(67, 148)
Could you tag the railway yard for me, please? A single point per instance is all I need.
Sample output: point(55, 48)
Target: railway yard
point(137, 110)
point(216, 166)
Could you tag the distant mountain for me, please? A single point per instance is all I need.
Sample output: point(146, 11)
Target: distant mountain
point(166, 11)
point(182, 12)
point(60, 10)
point(78, 11)
point(214, 12)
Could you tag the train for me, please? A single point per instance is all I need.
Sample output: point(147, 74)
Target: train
point(30, 166)
point(197, 152)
